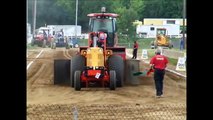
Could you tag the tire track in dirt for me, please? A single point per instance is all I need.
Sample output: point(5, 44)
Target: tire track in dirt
point(38, 73)
point(31, 56)
point(66, 54)
point(73, 51)
point(110, 111)
point(43, 75)
point(42, 71)
point(30, 60)
point(33, 71)
point(46, 60)
point(59, 53)
point(28, 65)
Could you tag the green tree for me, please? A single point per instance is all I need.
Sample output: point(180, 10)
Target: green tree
point(138, 6)
point(163, 9)
point(48, 12)
point(125, 21)
point(63, 11)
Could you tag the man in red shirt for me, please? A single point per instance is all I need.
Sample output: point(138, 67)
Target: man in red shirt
point(159, 63)
point(135, 50)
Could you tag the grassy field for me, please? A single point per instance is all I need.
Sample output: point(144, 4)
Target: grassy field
point(83, 42)
point(31, 47)
point(128, 43)
point(143, 42)
point(151, 53)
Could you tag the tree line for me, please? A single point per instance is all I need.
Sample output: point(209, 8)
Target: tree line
point(62, 12)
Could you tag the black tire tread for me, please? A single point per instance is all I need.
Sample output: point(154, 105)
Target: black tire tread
point(77, 80)
point(116, 63)
point(77, 63)
point(112, 84)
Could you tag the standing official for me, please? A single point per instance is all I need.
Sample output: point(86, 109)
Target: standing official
point(159, 63)
point(135, 50)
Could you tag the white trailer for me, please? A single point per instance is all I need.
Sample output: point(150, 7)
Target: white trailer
point(69, 30)
point(149, 31)
point(65, 38)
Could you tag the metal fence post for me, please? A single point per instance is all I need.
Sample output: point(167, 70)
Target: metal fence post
point(75, 113)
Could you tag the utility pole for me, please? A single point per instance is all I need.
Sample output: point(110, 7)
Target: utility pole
point(27, 11)
point(34, 16)
point(184, 16)
point(76, 19)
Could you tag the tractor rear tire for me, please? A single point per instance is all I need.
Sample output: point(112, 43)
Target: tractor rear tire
point(77, 63)
point(116, 63)
point(77, 80)
point(61, 71)
point(112, 82)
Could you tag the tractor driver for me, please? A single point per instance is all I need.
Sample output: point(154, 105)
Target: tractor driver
point(101, 40)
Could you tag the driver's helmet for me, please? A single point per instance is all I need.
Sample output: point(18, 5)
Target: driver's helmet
point(102, 36)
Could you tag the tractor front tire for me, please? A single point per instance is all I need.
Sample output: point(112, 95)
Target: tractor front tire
point(77, 63)
point(116, 63)
point(112, 82)
point(77, 80)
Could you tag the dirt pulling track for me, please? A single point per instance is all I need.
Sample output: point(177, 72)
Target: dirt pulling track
point(41, 91)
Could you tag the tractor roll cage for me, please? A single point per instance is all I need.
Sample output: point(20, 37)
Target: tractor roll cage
point(113, 15)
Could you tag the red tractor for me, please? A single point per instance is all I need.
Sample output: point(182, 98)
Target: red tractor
point(101, 63)
point(42, 39)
